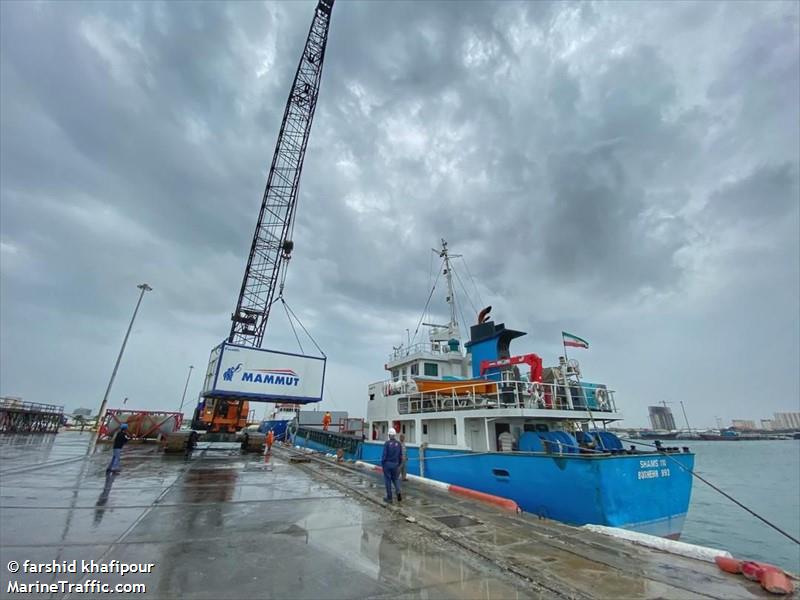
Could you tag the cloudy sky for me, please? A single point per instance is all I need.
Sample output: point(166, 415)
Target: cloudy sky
point(627, 172)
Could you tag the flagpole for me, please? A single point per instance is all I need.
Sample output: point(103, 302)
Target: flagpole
point(566, 370)
point(578, 377)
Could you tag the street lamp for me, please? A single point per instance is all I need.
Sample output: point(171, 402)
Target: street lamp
point(101, 415)
point(180, 410)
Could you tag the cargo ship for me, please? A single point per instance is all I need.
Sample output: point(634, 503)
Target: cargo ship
point(724, 435)
point(278, 420)
point(470, 417)
point(658, 435)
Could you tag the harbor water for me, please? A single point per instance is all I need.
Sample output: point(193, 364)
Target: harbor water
point(763, 475)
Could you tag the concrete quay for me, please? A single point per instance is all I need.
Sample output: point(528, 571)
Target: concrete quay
point(220, 524)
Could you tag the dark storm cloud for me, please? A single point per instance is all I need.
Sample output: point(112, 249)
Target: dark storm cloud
point(767, 193)
point(600, 166)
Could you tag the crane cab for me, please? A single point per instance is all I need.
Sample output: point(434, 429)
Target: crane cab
point(221, 415)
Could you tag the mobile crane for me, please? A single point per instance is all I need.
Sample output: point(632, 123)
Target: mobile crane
point(271, 248)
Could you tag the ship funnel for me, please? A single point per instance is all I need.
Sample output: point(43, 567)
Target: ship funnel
point(489, 341)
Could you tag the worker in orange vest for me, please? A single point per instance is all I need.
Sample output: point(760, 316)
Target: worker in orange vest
point(326, 421)
point(270, 440)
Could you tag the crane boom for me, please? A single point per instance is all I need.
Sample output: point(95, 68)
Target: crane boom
point(272, 246)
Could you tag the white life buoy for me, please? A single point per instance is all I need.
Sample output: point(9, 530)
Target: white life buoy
point(538, 394)
point(602, 398)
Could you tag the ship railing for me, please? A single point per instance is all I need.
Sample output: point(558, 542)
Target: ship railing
point(572, 396)
point(421, 348)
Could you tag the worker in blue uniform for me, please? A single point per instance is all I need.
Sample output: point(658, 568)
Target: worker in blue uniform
point(390, 463)
point(120, 440)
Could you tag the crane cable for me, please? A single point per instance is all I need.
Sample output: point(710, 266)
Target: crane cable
point(303, 327)
point(289, 315)
point(294, 331)
point(715, 488)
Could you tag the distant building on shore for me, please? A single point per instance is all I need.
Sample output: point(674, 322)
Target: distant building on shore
point(788, 420)
point(743, 424)
point(661, 418)
point(767, 424)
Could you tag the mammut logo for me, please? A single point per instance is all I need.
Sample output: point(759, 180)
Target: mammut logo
point(272, 376)
point(229, 372)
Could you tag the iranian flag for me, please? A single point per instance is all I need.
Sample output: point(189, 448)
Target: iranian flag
point(573, 340)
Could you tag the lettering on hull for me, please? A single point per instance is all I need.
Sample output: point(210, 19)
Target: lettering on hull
point(653, 468)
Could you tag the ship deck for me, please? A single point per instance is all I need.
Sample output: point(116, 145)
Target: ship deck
point(225, 525)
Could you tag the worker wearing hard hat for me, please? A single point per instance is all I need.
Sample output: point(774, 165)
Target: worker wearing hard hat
point(326, 421)
point(120, 440)
point(270, 440)
point(390, 463)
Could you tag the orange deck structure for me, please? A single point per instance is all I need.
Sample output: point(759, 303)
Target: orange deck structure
point(459, 387)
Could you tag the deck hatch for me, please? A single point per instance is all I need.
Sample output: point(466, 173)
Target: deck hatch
point(456, 521)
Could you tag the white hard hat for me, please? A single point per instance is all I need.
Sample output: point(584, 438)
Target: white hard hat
point(392, 431)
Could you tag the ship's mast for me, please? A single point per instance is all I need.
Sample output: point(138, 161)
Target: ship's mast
point(451, 330)
point(448, 273)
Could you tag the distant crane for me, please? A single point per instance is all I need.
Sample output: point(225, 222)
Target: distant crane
point(272, 245)
point(685, 418)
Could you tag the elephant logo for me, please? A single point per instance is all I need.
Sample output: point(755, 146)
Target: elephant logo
point(229, 372)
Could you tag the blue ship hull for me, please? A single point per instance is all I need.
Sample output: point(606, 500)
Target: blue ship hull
point(648, 493)
point(278, 427)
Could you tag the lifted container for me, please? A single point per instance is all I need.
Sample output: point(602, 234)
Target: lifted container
point(242, 373)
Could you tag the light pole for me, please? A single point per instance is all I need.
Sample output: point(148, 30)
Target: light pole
point(101, 415)
point(186, 387)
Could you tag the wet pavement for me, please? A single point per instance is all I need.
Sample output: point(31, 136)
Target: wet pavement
point(562, 560)
point(225, 525)
point(219, 525)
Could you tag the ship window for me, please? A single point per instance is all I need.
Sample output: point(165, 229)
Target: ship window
point(424, 429)
point(395, 374)
point(415, 369)
point(372, 396)
point(431, 369)
point(454, 429)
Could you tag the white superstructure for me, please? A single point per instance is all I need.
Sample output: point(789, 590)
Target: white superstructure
point(432, 397)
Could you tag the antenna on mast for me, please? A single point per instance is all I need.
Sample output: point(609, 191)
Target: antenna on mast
point(451, 330)
point(448, 273)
